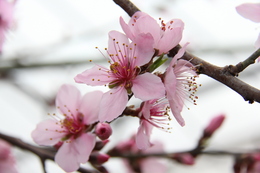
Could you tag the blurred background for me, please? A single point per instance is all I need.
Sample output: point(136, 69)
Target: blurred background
point(51, 41)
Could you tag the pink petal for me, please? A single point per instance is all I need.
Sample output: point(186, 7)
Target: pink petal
point(178, 55)
point(46, 133)
point(171, 37)
point(153, 165)
point(156, 148)
point(148, 86)
point(126, 29)
point(144, 50)
point(68, 100)
point(113, 104)
point(249, 11)
point(89, 106)
point(135, 17)
point(143, 135)
point(146, 109)
point(147, 24)
point(115, 43)
point(176, 108)
point(6, 11)
point(95, 76)
point(71, 154)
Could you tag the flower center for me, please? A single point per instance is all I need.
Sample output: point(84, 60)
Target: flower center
point(123, 68)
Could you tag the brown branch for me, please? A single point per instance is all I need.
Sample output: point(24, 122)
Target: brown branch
point(42, 153)
point(225, 75)
point(235, 70)
point(127, 6)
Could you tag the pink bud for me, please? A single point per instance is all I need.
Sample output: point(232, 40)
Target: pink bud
point(214, 124)
point(184, 158)
point(97, 158)
point(103, 131)
point(5, 150)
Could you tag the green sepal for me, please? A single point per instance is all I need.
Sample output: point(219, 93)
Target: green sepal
point(157, 63)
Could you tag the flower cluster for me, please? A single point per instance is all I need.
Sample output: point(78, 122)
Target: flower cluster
point(132, 56)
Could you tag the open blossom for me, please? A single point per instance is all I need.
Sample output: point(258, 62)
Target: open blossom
point(71, 131)
point(153, 113)
point(123, 76)
point(6, 18)
point(7, 160)
point(179, 84)
point(166, 36)
point(251, 11)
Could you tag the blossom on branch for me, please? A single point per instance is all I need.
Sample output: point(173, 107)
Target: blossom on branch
point(123, 76)
point(153, 113)
point(166, 36)
point(71, 132)
point(6, 18)
point(7, 160)
point(144, 165)
point(251, 11)
point(179, 81)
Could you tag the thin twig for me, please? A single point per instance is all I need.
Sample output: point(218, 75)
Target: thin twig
point(127, 6)
point(42, 153)
point(235, 70)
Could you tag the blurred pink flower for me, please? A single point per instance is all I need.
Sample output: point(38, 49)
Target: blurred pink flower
point(79, 115)
point(153, 113)
point(251, 11)
point(166, 36)
point(145, 165)
point(6, 18)
point(179, 84)
point(7, 160)
point(123, 76)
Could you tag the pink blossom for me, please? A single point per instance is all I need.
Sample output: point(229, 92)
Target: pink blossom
point(153, 113)
point(6, 18)
point(179, 84)
point(165, 37)
point(7, 160)
point(79, 113)
point(123, 76)
point(251, 11)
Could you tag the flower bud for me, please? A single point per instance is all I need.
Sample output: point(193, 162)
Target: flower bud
point(97, 158)
point(184, 158)
point(5, 150)
point(214, 124)
point(103, 131)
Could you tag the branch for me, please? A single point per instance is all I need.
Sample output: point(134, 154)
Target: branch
point(43, 153)
point(225, 75)
point(242, 65)
point(127, 6)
